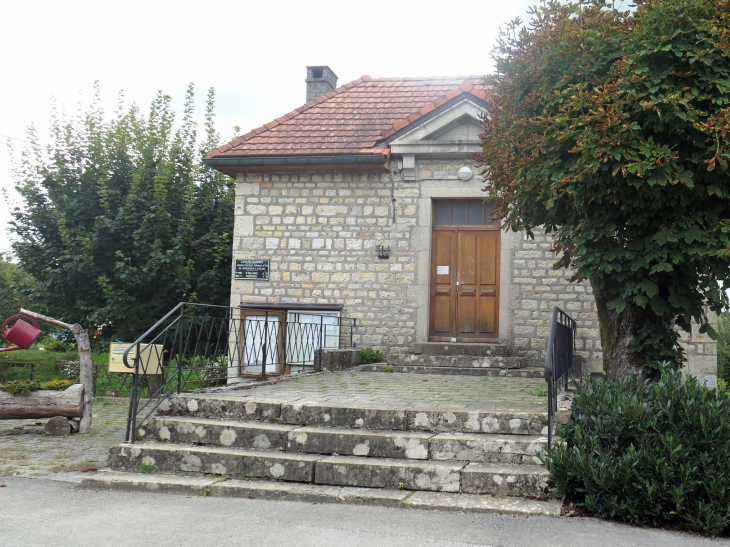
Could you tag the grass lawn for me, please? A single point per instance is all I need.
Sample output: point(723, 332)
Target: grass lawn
point(50, 365)
point(44, 356)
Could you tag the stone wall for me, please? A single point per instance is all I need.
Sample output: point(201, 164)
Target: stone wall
point(537, 288)
point(320, 231)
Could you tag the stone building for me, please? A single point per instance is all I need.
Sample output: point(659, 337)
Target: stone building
point(384, 166)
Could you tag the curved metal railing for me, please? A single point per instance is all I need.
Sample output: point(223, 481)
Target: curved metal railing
point(201, 345)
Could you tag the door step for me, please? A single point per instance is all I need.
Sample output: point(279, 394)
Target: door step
point(319, 493)
point(460, 348)
point(452, 371)
point(458, 361)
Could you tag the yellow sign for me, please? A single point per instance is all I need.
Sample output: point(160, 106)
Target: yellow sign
point(149, 362)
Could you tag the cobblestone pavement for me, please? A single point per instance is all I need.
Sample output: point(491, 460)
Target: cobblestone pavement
point(406, 390)
point(25, 450)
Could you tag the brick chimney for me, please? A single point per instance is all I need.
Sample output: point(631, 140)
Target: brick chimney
point(320, 80)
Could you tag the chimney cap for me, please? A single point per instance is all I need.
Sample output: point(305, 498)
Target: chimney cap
point(319, 72)
point(320, 81)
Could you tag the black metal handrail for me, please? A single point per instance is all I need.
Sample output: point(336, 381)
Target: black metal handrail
point(201, 345)
point(558, 361)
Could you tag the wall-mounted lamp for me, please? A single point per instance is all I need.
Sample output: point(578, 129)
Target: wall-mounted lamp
point(382, 251)
point(465, 173)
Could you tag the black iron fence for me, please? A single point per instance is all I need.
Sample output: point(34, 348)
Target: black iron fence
point(198, 345)
point(559, 361)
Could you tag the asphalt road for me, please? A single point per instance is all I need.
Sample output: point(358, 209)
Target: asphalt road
point(50, 513)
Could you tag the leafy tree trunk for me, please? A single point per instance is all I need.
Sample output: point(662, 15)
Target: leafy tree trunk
point(617, 331)
point(635, 338)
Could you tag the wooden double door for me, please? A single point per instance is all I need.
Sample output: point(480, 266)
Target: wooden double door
point(464, 283)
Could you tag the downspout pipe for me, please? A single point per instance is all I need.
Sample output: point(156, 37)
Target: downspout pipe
point(392, 192)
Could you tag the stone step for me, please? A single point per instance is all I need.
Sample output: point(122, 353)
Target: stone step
point(314, 493)
point(219, 407)
point(448, 371)
point(359, 442)
point(507, 479)
point(187, 430)
point(389, 473)
point(455, 361)
point(526, 372)
point(460, 348)
point(482, 448)
point(198, 460)
point(392, 473)
point(362, 417)
point(246, 464)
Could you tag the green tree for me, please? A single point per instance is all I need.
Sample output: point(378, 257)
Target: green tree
point(609, 130)
point(121, 220)
point(15, 287)
point(723, 347)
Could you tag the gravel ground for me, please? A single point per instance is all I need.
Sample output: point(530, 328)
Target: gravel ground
point(26, 451)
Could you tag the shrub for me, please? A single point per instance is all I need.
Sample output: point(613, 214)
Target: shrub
point(648, 453)
point(723, 347)
point(23, 387)
point(370, 355)
point(59, 345)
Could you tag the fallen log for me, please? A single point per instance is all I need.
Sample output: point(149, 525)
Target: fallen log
point(43, 404)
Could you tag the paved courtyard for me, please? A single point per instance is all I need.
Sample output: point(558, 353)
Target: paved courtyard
point(25, 450)
point(405, 390)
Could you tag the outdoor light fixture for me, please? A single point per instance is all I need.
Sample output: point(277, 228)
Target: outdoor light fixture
point(382, 251)
point(465, 173)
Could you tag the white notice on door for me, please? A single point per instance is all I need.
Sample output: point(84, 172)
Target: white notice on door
point(442, 270)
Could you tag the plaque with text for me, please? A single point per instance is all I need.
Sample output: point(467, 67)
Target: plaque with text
point(251, 269)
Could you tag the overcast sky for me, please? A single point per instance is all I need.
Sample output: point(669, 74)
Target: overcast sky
point(253, 53)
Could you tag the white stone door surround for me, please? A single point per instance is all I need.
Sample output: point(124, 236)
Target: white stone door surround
point(419, 295)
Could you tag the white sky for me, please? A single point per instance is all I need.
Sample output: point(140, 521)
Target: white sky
point(253, 53)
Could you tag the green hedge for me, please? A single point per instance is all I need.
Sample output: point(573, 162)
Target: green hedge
point(648, 453)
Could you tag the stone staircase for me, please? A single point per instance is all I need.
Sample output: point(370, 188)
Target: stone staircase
point(466, 460)
point(464, 359)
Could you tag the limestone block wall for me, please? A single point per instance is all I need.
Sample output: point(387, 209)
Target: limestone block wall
point(319, 230)
point(537, 288)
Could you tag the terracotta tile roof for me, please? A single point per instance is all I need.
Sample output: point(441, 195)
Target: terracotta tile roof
point(352, 118)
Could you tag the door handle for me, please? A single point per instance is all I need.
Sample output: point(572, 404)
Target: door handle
point(457, 286)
